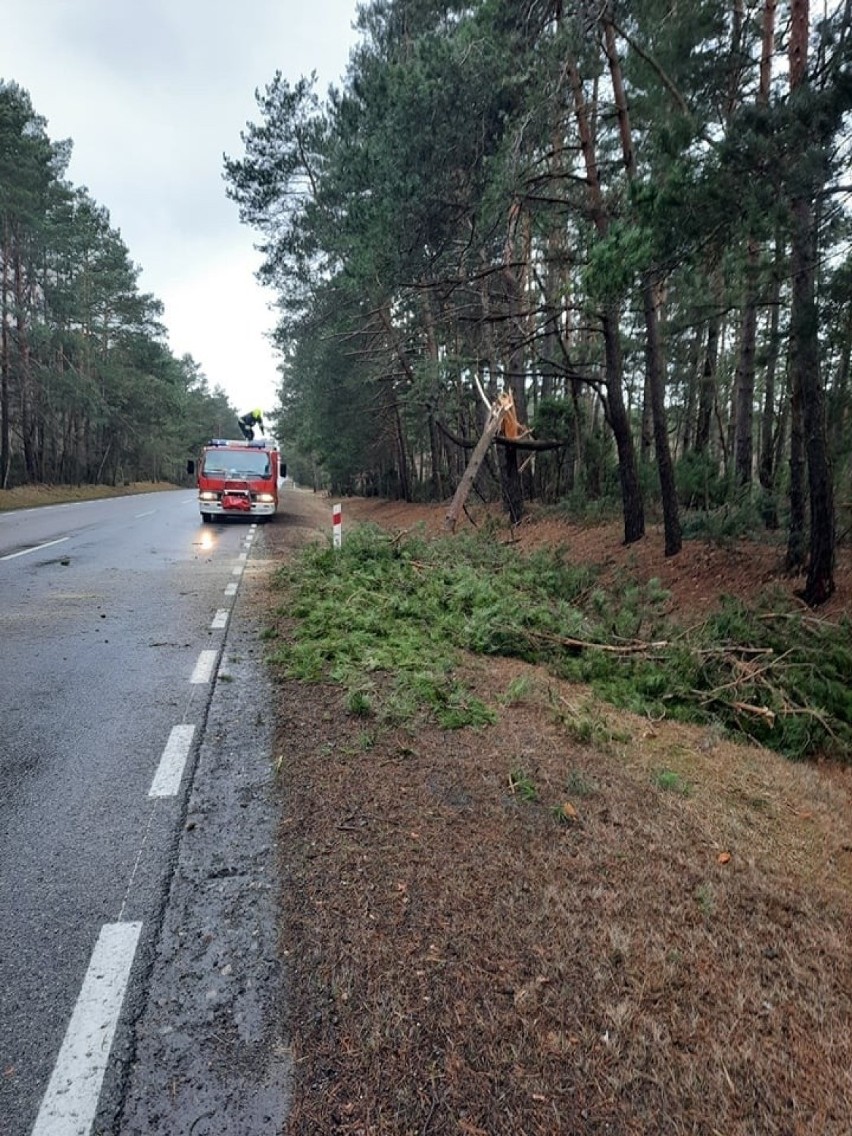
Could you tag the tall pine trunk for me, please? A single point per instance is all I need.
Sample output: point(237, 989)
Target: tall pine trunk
point(631, 492)
point(772, 425)
point(665, 468)
point(632, 505)
point(655, 375)
point(804, 344)
point(707, 389)
point(743, 446)
point(796, 557)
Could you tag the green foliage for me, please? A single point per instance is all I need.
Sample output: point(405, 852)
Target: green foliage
point(92, 394)
point(671, 782)
point(518, 690)
point(391, 615)
point(706, 899)
point(586, 723)
point(700, 483)
point(798, 673)
point(439, 200)
point(554, 419)
point(359, 704)
point(724, 525)
point(523, 786)
point(617, 260)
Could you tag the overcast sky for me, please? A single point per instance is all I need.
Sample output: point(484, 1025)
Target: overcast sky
point(152, 93)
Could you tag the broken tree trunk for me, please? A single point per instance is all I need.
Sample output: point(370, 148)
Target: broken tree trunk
point(498, 413)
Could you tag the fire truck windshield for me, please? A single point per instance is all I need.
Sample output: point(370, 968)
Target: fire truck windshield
point(246, 463)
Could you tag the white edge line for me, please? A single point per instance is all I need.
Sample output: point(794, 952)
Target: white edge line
point(204, 667)
point(35, 548)
point(169, 773)
point(238, 571)
point(230, 589)
point(71, 1099)
point(220, 619)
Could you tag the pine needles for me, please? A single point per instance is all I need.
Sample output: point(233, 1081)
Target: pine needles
point(388, 617)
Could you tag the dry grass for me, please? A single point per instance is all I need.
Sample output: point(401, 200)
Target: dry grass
point(28, 496)
point(671, 954)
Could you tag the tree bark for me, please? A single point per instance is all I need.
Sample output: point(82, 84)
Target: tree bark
point(436, 487)
point(770, 425)
point(744, 380)
point(616, 413)
point(655, 374)
point(632, 505)
point(707, 391)
point(510, 483)
point(796, 557)
point(804, 344)
point(665, 468)
point(492, 426)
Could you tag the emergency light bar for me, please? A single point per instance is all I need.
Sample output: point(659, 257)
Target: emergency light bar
point(258, 444)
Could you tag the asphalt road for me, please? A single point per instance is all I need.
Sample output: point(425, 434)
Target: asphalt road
point(113, 618)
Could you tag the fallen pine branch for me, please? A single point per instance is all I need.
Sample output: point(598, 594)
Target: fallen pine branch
point(759, 711)
point(634, 647)
point(725, 652)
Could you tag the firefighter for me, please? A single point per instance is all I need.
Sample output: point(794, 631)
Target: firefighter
point(248, 422)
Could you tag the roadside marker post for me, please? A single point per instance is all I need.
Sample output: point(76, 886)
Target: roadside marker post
point(337, 525)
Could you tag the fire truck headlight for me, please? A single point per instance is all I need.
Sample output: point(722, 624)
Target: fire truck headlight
point(207, 495)
point(265, 498)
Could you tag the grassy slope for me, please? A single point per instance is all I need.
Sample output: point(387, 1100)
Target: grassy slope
point(668, 953)
point(29, 496)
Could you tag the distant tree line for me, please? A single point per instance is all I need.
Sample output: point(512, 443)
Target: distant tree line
point(89, 391)
point(628, 214)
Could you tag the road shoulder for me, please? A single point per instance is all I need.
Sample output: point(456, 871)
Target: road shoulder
point(210, 1055)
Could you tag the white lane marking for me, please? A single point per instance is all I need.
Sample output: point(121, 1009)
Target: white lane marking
point(230, 589)
point(169, 773)
point(204, 667)
point(71, 1099)
point(220, 619)
point(243, 556)
point(238, 571)
point(150, 513)
point(36, 548)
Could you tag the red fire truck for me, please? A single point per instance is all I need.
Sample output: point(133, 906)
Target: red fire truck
point(238, 479)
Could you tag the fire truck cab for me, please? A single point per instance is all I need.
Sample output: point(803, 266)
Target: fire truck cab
point(238, 479)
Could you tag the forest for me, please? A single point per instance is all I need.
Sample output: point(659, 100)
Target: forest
point(89, 391)
point(632, 217)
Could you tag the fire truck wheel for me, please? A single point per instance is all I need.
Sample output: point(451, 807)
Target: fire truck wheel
point(207, 518)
